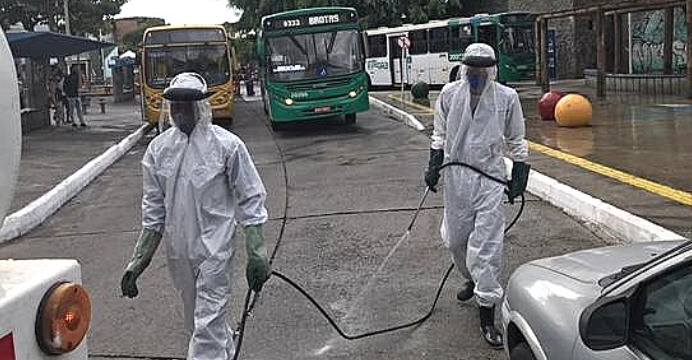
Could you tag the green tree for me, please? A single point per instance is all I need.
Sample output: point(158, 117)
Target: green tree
point(418, 15)
point(455, 8)
point(131, 40)
point(87, 16)
point(436, 10)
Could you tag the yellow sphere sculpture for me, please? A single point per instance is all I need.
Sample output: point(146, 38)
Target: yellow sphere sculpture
point(573, 110)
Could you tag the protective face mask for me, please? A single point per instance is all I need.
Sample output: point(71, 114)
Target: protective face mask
point(184, 118)
point(476, 81)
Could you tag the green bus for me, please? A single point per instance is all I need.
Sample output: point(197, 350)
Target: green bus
point(512, 36)
point(312, 65)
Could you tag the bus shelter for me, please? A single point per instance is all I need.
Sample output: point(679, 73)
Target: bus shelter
point(33, 51)
point(607, 19)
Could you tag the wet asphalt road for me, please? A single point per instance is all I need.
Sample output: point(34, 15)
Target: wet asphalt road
point(350, 192)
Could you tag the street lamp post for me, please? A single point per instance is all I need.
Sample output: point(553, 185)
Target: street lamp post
point(67, 16)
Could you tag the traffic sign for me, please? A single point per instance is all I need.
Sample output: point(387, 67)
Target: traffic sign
point(403, 42)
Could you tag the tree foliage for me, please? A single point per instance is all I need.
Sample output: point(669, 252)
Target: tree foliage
point(86, 16)
point(131, 40)
point(374, 13)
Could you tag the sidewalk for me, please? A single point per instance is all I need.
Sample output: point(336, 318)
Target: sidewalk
point(52, 154)
point(636, 144)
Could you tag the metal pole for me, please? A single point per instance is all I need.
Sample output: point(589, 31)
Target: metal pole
point(668, 26)
point(537, 51)
point(545, 75)
point(617, 61)
point(403, 50)
point(689, 49)
point(67, 17)
point(601, 58)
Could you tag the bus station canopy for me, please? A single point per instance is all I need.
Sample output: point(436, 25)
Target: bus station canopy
point(39, 45)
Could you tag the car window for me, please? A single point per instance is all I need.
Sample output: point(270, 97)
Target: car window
point(662, 318)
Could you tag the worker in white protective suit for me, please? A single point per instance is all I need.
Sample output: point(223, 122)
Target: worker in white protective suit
point(198, 181)
point(475, 118)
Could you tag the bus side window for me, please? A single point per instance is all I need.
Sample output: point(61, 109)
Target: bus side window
point(377, 45)
point(460, 37)
point(439, 40)
point(488, 34)
point(419, 42)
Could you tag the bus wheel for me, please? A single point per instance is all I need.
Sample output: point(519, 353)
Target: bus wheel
point(454, 74)
point(277, 126)
point(350, 119)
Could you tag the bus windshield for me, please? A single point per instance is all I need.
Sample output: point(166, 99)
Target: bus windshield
point(210, 61)
point(314, 56)
point(517, 39)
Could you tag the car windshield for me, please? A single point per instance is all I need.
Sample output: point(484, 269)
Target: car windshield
point(517, 40)
point(210, 61)
point(314, 56)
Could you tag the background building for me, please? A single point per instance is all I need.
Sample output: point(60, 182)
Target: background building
point(575, 38)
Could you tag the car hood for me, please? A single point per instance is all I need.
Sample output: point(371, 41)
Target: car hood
point(592, 265)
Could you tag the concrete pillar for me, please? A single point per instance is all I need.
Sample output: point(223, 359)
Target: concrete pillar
point(617, 43)
point(545, 74)
point(689, 49)
point(601, 55)
point(669, 28)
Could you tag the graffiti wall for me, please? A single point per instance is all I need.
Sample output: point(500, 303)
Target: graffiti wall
point(647, 42)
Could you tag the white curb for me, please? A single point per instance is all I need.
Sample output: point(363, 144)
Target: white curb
point(606, 217)
point(39, 210)
point(397, 114)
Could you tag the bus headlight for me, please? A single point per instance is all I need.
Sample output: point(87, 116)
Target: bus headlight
point(289, 101)
point(352, 94)
point(63, 318)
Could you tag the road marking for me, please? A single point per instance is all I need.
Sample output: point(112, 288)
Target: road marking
point(621, 176)
point(641, 183)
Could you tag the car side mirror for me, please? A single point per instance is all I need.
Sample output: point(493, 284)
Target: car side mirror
point(605, 324)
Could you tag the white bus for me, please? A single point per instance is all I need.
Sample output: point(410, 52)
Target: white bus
point(434, 52)
point(436, 47)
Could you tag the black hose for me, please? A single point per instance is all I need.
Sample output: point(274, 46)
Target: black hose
point(372, 333)
point(419, 321)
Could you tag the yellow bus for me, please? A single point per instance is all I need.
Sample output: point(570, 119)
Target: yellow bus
point(170, 50)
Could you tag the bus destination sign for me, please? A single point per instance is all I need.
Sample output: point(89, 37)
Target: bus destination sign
point(312, 20)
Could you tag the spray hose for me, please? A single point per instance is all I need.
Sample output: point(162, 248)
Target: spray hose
point(249, 305)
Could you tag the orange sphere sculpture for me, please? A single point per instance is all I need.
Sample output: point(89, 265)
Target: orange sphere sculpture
point(573, 110)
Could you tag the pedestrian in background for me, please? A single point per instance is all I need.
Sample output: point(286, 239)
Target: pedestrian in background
point(71, 87)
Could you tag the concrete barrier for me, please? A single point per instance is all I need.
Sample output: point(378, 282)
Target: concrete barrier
point(34, 214)
point(397, 114)
point(613, 221)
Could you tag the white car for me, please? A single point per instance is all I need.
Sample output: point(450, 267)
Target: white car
point(629, 302)
point(44, 311)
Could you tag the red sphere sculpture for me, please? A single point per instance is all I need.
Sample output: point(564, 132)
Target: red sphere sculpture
point(546, 105)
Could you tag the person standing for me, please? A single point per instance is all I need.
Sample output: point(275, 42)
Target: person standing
point(71, 86)
point(198, 180)
point(475, 118)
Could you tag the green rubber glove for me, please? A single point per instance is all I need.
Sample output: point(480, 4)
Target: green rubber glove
point(432, 175)
point(520, 178)
point(258, 268)
point(146, 246)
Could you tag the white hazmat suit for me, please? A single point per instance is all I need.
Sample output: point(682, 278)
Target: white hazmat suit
point(473, 225)
point(195, 188)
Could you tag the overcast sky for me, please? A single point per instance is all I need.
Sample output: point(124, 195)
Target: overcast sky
point(178, 12)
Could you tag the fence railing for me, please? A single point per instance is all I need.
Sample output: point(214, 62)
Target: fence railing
point(656, 84)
